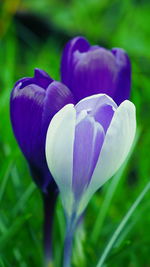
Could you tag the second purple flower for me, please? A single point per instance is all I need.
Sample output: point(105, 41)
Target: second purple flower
point(34, 101)
point(89, 70)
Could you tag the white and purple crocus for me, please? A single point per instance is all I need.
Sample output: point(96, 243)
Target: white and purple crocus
point(86, 144)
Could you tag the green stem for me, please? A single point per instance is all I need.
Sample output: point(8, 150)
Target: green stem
point(49, 201)
point(71, 223)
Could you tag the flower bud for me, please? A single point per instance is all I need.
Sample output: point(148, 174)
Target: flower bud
point(86, 144)
point(89, 70)
point(34, 101)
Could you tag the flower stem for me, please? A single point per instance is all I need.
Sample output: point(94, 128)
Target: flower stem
point(68, 241)
point(49, 201)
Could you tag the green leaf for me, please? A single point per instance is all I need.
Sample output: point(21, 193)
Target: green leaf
point(24, 198)
point(122, 225)
point(14, 228)
point(5, 179)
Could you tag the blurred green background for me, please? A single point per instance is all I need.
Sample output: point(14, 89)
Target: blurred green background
point(33, 34)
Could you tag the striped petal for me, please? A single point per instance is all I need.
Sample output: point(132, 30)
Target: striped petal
point(90, 102)
point(116, 146)
point(89, 137)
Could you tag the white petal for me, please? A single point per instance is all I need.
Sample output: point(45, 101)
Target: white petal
point(59, 151)
point(91, 101)
point(117, 144)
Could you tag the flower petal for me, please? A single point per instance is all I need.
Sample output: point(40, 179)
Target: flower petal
point(123, 82)
point(91, 102)
point(76, 44)
point(57, 96)
point(26, 108)
point(117, 143)
point(100, 106)
point(41, 78)
point(103, 114)
point(89, 70)
point(89, 137)
point(26, 115)
point(93, 72)
point(59, 151)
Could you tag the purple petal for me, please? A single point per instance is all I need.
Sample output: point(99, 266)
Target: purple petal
point(89, 137)
point(32, 108)
point(76, 44)
point(100, 107)
point(41, 78)
point(26, 108)
point(94, 72)
point(123, 82)
point(103, 114)
point(57, 96)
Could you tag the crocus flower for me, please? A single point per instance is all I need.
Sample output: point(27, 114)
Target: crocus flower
point(33, 103)
point(89, 70)
point(86, 144)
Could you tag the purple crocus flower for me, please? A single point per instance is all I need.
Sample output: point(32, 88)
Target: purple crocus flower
point(34, 101)
point(89, 70)
point(86, 144)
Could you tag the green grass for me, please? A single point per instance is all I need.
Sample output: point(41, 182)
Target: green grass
point(21, 212)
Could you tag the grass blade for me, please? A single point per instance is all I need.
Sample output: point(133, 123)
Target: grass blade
point(23, 200)
point(122, 225)
point(5, 180)
point(14, 228)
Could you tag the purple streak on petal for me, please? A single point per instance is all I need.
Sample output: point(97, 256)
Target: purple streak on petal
point(101, 108)
point(92, 103)
point(89, 137)
point(123, 83)
point(57, 96)
point(41, 78)
point(76, 44)
point(94, 72)
point(103, 114)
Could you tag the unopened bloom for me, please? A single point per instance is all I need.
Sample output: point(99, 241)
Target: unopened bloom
point(89, 70)
point(33, 103)
point(86, 144)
